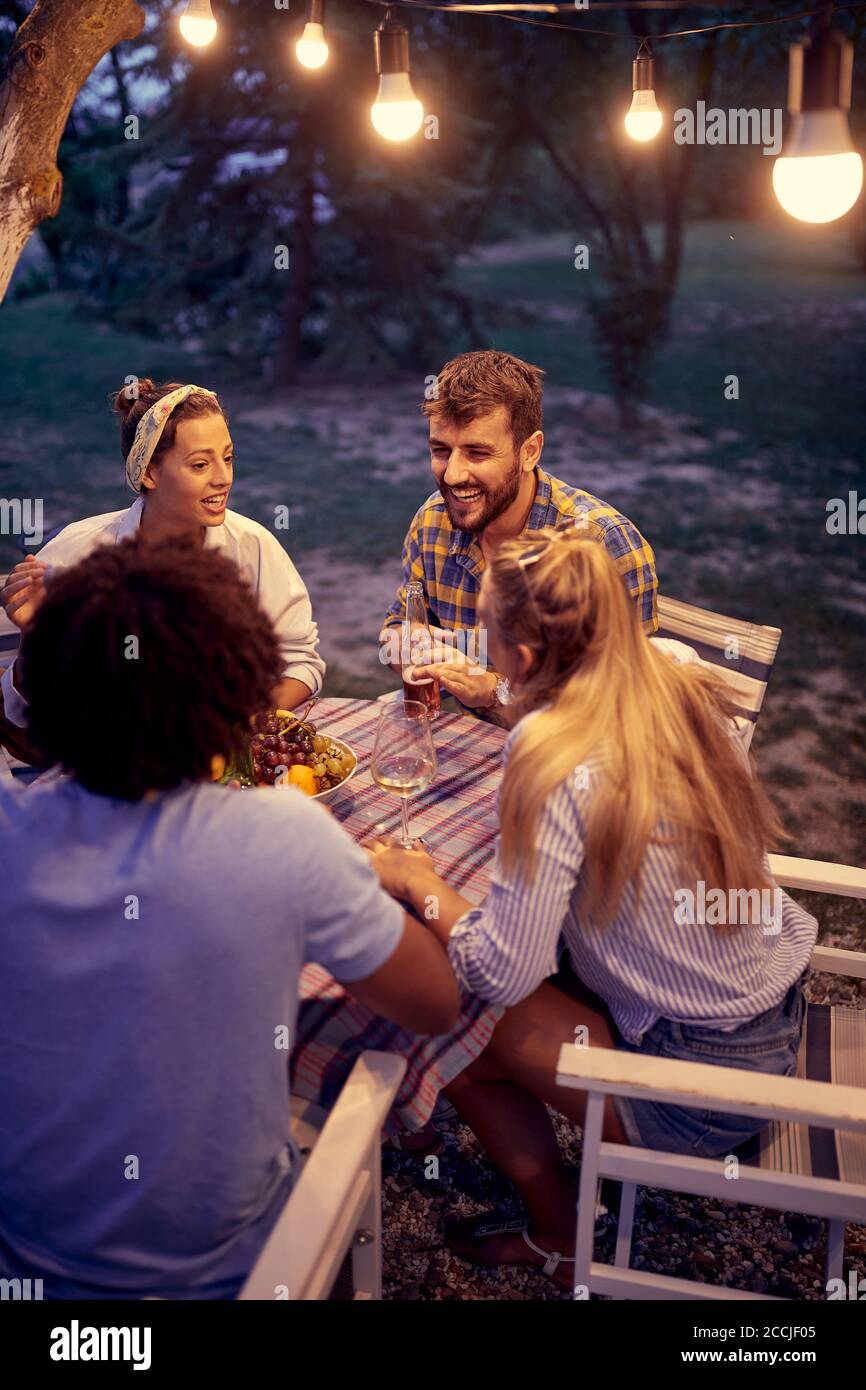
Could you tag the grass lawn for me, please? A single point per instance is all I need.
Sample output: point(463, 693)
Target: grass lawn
point(732, 494)
point(739, 526)
point(743, 288)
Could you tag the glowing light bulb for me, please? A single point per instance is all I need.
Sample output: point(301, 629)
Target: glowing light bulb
point(643, 119)
point(396, 113)
point(820, 174)
point(819, 177)
point(197, 23)
point(311, 48)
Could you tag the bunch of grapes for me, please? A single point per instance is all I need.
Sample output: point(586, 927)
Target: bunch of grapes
point(272, 750)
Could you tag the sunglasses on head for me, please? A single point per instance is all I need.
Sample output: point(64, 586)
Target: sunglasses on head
point(534, 554)
point(530, 558)
point(539, 549)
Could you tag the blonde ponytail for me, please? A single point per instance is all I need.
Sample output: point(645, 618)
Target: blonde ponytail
point(655, 732)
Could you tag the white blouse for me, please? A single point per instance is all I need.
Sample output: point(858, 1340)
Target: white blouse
point(260, 559)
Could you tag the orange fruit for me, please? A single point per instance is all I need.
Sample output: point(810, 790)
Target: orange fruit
point(303, 777)
point(217, 766)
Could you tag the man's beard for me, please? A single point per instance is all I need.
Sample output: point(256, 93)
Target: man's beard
point(494, 502)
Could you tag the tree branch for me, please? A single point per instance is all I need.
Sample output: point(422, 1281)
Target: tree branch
point(679, 168)
point(571, 177)
point(52, 55)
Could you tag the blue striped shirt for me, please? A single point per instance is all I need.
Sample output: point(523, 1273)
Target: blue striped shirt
point(647, 962)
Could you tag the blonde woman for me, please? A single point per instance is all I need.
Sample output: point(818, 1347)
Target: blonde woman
point(626, 796)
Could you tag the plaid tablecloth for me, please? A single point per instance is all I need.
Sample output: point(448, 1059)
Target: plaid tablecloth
point(456, 817)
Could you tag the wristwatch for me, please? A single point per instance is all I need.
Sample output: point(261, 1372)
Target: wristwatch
point(502, 694)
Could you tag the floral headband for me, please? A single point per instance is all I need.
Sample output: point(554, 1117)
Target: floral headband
point(149, 432)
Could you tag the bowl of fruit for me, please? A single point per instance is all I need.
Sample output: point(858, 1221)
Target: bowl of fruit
point(286, 749)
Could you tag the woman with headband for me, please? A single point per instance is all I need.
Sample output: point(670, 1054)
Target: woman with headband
point(179, 461)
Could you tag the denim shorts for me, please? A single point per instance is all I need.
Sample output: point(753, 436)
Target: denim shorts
point(768, 1043)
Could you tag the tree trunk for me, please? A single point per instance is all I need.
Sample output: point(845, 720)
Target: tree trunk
point(125, 109)
point(52, 55)
point(300, 290)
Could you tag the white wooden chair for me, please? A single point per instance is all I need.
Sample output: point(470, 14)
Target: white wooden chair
point(744, 652)
point(812, 1158)
point(337, 1201)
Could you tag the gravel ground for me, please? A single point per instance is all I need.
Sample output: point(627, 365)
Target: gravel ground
point(751, 1248)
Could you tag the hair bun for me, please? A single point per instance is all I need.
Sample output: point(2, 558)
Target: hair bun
point(134, 389)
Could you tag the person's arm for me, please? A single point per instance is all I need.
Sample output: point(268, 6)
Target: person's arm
point(22, 594)
point(472, 685)
point(14, 703)
point(634, 558)
point(411, 876)
point(503, 949)
point(24, 590)
point(383, 957)
point(413, 573)
point(290, 693)
point(284, 598)
point(416, 987)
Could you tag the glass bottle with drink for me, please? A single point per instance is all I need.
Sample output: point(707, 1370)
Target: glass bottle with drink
point(418, 650)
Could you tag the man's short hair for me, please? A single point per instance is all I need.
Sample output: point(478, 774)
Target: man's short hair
point(142, 662)
point(475, 383)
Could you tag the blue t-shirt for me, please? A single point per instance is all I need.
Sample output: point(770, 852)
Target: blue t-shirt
point(148, 991)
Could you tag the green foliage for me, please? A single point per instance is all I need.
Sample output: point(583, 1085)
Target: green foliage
point(240, 152)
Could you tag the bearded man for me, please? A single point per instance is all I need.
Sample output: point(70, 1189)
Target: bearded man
point(486, 441)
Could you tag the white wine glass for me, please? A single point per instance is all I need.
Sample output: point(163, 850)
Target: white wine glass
point(404, 759)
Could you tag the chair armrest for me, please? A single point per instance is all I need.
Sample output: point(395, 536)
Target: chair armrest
point(834, 961)
point(730, 1089)
point(328, 1179)
point(817, 876)
point(845, 881)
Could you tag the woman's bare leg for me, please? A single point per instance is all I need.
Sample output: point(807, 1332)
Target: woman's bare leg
point(503, 1098)
point(515, 1131)
point(526, 1043)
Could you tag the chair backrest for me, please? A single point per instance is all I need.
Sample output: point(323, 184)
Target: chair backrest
point(743, 652)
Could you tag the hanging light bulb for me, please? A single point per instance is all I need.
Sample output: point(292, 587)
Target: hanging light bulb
point(397, 113)
point(197, 23)
point(820, 175)
point(311, 48)
point(643, 120)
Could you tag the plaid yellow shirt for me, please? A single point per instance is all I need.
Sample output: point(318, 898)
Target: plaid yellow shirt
point(449, 563)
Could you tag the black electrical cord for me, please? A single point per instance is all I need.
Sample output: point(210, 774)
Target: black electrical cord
point(566, 6)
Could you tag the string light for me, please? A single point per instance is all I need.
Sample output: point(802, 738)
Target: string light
point(396, 113)
point(817, 179)
point(819, 176)
point(643, 120)
point(197, 23)
point(312, 48)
